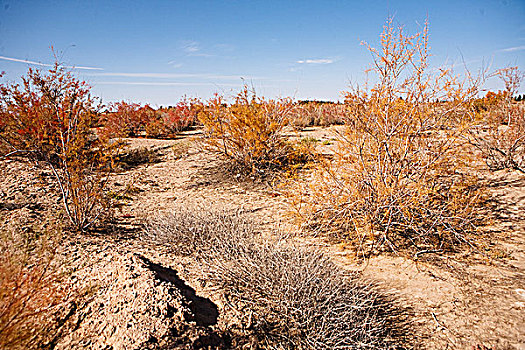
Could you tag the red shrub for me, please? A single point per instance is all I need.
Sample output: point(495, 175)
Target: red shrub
point(127, 119)
point(180, 117)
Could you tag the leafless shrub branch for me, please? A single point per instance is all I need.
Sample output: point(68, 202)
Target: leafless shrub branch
point(296, 297)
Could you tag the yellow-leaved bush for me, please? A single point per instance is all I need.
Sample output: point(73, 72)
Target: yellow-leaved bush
point(249, 132)
point(399, 179)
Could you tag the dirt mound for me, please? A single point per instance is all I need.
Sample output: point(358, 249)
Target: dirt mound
point(138, 304)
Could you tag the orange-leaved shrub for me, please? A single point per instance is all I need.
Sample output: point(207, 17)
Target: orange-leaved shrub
point(249, 132)
point(399, 178)
point(50, 119)
point(500, 134)
point(490, 101)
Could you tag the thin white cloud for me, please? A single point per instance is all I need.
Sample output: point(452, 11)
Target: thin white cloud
point(45, 64)
point(200, 54)
point(154, 83)
point(172, 76)
point(512, 49)
point(190, 46)
point(175, 64)
point(193, 49)
point(316, 61)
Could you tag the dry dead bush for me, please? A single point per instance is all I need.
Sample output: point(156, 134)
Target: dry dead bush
point(500, 136)
point(37, 295)
point(131, 158)
point(289, 297)
point(399, 179)
point(248, 133)
point(193, 230)
point(296, 298)
point(49, 118)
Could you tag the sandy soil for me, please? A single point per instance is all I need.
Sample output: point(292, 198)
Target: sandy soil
point(146, 295)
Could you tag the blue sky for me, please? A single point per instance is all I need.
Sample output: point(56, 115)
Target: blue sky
point(157, 51)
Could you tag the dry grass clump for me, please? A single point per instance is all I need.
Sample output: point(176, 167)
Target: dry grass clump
point(297, 298)
point(248, 133)
point(37, 295)
point(193, 230)
point(131, 158)
point(400, 179)
point(290, 297)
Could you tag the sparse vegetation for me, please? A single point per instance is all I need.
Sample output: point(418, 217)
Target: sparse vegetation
point(399, 170)
point(312, 113)
point(291, 297)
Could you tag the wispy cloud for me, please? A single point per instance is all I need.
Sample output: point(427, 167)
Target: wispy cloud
point(193, 48)
point(512, 49)
point(45, 64)
point(317, 61)
point(173, 76)
point(200, 54)
point(175, 64)
point(154, 83)
point(190, 46)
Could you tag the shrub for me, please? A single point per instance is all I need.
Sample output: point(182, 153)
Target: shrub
point(489, 102)
point(37, 295)
point(193, 230)
point(248, 133)
point(49, 118)
point(312, 113)
point(501, 134)
point(132, 120)
point(181, 117)
point(290, 297)
point(398, 179)
point(127, 119)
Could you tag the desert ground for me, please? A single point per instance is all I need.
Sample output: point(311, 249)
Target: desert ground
point(147, 296)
